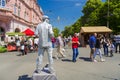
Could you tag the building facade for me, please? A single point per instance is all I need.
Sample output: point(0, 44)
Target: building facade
point(17, 15)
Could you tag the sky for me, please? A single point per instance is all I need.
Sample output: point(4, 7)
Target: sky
point(62, 12)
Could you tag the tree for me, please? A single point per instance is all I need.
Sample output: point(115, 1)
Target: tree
point(95, 13)
point(56, 32)
point(76, 26)
point(68, 30)
point(90, 11)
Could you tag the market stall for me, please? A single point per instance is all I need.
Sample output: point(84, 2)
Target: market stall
point(85, 33)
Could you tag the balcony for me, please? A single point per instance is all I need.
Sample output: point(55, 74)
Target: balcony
point(5, 14)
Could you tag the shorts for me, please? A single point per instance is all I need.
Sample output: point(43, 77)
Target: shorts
point(92, 50)
point(36, 45)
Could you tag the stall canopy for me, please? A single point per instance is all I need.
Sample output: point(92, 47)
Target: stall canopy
point(28, 32)
point(92, 29)
point(15, 33)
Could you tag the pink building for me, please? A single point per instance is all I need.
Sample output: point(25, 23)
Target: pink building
point(17, 15)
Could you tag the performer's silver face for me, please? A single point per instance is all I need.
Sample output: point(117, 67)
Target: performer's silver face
point(47, 20)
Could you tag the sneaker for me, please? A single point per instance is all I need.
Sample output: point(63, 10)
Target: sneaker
point(64, 56)
point(63, 50)
point(51, 70)
point(102, 60)
point(74, 61)
point(56, 58)
point(38, 71)
point(94, 60)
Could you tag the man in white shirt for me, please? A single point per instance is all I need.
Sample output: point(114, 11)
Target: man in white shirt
point(60, 48)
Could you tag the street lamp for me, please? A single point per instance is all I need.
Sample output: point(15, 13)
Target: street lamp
point(108, 15)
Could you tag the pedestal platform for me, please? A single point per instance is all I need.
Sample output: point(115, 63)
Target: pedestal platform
point(44, 75)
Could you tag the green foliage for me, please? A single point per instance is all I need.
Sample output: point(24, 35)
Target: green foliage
point(67, 31)
point(91, 11)
point(3, 49)
point(95, 13)
point(56, 32)
point(70, 30)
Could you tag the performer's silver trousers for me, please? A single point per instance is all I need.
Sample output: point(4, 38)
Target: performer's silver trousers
point(40, 57)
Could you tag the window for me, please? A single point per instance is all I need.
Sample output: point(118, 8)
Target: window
point(2, 3)
point(19, 12)
point(25, 14)
point(15, 9)
point(19, 8)
point(2, 34)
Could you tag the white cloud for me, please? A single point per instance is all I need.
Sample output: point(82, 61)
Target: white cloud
point(77, 4)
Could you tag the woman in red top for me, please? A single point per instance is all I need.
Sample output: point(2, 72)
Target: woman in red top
point(75, 43)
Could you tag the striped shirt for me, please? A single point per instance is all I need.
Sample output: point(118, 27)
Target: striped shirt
point(117, 38)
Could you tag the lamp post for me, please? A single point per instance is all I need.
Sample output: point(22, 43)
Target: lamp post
point(108, 15)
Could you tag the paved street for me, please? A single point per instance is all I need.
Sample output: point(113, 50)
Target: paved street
point(13, 67)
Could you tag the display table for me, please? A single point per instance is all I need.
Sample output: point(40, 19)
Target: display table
point(11, 48)
point(44, 75)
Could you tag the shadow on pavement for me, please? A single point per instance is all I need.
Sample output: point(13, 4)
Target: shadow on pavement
point(66, 60)
point(24, 77)
point(85, 59)
point(19, 55)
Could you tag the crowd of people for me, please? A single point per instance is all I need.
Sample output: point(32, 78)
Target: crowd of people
point(101, 45)
point(96, 43)
point(109, 45)
point(23, 44)
point(44, 40)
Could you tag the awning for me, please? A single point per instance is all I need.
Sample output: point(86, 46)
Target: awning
point(92, 29)
point(28, 32)
point(14, 33)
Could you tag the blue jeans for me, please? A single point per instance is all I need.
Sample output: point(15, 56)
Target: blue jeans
point(75, 53)
point(53, 45)
point(116, 47)
point(97, 51)
point(105, 50)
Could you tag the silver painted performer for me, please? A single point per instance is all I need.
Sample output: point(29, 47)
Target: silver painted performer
point(45, 32)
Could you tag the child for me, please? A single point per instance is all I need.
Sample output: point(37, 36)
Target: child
point(22, 48)
point(111, 47)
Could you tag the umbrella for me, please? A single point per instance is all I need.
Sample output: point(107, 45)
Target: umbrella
point(28, 32)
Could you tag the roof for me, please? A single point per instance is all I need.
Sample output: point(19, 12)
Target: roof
point(91, 29)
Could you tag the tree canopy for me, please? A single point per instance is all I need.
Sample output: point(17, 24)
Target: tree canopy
point(56, 31)
point(97, 13)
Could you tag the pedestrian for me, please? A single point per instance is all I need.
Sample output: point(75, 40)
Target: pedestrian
point(22, 48)
point(111, 48)
point(60, 45)
point(117, 41)
point(45, 32)
point(17, 44)
point(53, 42)
point(98, 49)
point(30, 44)
point(106, 45)
point(36, 41)
point(75, 44)
point(92, 42)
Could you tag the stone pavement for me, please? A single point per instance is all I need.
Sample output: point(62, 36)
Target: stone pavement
point(13, 67)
